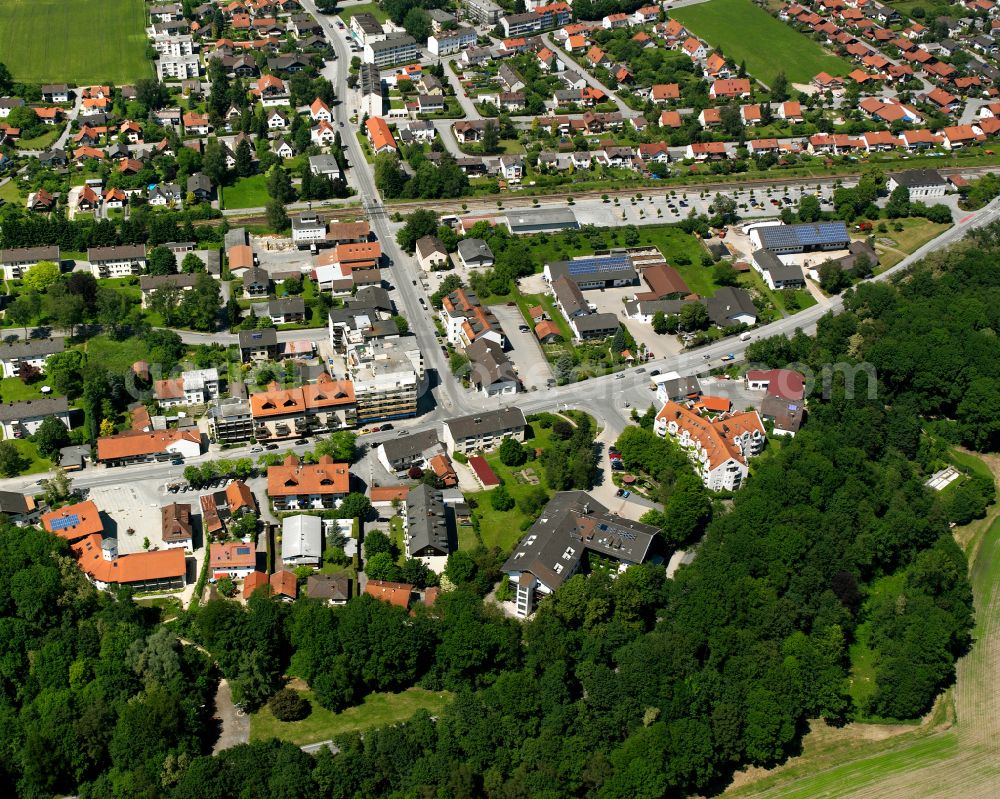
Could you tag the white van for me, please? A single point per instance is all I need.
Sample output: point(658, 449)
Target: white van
point(744, 336)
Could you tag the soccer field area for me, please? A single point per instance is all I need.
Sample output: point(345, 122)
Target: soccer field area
point(85, 41)
point(768, 46)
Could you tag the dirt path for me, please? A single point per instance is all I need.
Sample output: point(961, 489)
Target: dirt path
point(954, 752)
point(235, 724)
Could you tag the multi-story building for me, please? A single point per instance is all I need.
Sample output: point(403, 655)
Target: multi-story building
point(291, 412)
point(34, 352)
point(426, 528)
point(22, 419)
point(195, 387)
point(123, 261)
point(719, 447)
point(308, 486)
point(175, 526)
point(449, 42)
point(258, 345)
point(388, 379)
point(308, 229)
point(465, 320)
point(366, 28)
point(485, 12)
point(178, 67)
point(400, 48)
point(483, 431)
point(230, 420)
point(370, 91)
point(571, 525)
point(416, 449)
point(16, 262)
point(143, 447)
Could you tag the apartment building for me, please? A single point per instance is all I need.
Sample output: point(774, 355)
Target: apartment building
point(123, 261)
point(230, 420)
point(483, 431)
point(34, 352)
point(450, 42)
point(17, 261)
point(281, 413)
point(399, 48)
point(308, 486)
point(719, 447)
point(388, 379)
point(194, 387)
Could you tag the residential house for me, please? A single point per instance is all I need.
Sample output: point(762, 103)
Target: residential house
point(301, 541)
point(431, 253)
point(484, 430)
point(176, 531)
point(303, 486)
point(123, 261)
point(17, 261)
point(34, 352)
point(490, 371)
point(146, 447)
point(425, 534)
point(233, 559)
point(23, 418)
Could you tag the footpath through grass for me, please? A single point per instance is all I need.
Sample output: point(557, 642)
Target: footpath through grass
point(768, 46)
point(86, 41)
point(378, 710)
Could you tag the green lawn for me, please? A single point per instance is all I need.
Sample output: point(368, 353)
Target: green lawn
point(13, 390)
point(36, 463)
point(248, 192)
point(87, 41)
point(970, 463)
point(116, 356)
point(42, 142)
point(742, 30)
point(10, 193)
point(503, 529)
point(377, 710)
point(895, 245)
point(364, 8)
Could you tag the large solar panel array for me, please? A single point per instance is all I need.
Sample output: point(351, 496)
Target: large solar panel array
point(600, 263)
point(805, 235)
point(66, 521)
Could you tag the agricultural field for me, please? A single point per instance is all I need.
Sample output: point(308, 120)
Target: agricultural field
point(89, 41)
point(768, 46)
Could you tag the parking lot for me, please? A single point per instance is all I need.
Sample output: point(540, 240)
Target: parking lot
point(527, 356)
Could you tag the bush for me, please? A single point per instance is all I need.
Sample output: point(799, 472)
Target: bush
point(460, 457)
point(289, 705)
point(512, 453)
point(500, 499)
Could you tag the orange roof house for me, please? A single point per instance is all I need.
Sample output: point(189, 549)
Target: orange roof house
point(713, 404)
point(380, 136)
point(662, 92)
point(164, 568)
point(252, 582)
point(299, 484)
point(74, 521)
point(397, 594)
point(240, 497)
point(135, 444)
point(380, 494)
point(240, 257)
point(284, 585)
point(232, 558)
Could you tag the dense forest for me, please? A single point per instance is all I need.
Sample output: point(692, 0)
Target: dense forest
point(630, 687)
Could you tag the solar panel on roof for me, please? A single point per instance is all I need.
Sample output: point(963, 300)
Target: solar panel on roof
point(803, 235)
point(66, 521)
point(242, 550)
point(614, 263)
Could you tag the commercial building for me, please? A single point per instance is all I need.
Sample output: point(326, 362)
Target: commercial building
point(540, 220)
point(923, 184)
point(803, 237)
point(308, 229)
point(776, 273)
point(143, 447)
point(301, 540)
point(572, 525)
point(483, 431)
point(388, 379)
point(595, 271)
point(164, 570)
point(75, 521)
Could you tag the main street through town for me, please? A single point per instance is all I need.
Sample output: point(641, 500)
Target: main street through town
point(610, 398)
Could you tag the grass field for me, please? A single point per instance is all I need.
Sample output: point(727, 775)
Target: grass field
point(13, 390)
point(246, 193)
point(952, 753)
point(768, 46)
point(915, 234)
point(377, 710)
point(364, 8)
point(88, 41)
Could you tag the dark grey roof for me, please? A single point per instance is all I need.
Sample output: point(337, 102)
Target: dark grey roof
point(426, 524)
point(470, 249)
point(728, 302)
point(367, 23)
point(128, 251)
point(573, 522)
point(333, 587)
point(596, 321)
point(786, 414)
point(235, 237)
point(409, 447)
point(541, 217)
point(488, 363)
point(771, 263)
point(486, 423)
point(26, 409)
point(199, 181)
point(32, 348)
point(286, 305)
point(253, 339)
point(914, 178)
point(153, 282)
point(13, 503)
point(569, 296)
point(392, 42)
point(256, 274)
point(681, 387)
point(28, 254)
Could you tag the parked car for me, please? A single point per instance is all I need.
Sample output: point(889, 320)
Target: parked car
point(176, 461)
point(271, 446)
point(619, 492)
point(301, 441)
point(257, 449)
point(386, 426)
point(626, 494)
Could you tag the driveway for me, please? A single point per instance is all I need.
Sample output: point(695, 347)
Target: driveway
point(532, 367)
point(234, 723)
